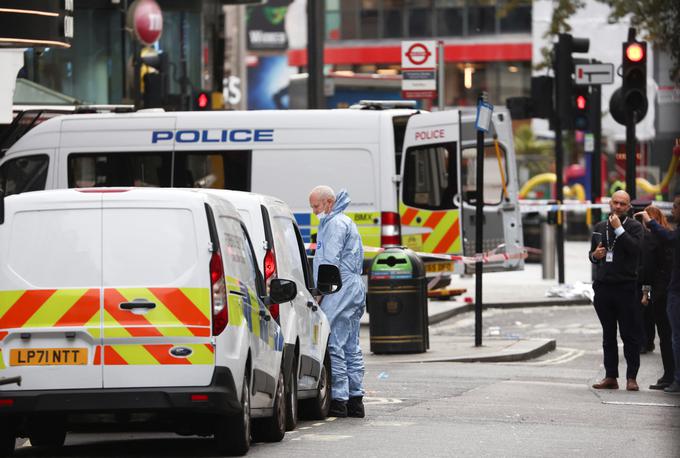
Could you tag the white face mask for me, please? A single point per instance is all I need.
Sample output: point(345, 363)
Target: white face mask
point(321, 215)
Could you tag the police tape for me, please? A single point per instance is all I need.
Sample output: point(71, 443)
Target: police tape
point(531, 206)
point(485, 258)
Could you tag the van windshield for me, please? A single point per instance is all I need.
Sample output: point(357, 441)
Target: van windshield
point(24, 174)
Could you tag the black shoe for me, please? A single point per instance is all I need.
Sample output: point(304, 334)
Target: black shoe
point(673, 388)
point(355, 407)
point(338, 409)
point(660, 384)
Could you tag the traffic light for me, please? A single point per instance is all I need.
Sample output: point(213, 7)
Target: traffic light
point(564, 70)
point(635, 76)
point(202, 101)
point(631, 98)
point(581, 102)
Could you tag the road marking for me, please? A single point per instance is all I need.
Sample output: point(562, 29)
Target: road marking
point(546, 383)
point(644, 404)
point(391, 423)
point(305, 427)
point(324, 437)
point(379, 401)
point(318, 424)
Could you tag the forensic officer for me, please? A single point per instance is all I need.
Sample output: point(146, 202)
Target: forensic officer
point(615, 250)
point(339, 243)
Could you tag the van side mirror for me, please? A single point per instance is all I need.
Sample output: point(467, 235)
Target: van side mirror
point(281, 290)
point(329, 280)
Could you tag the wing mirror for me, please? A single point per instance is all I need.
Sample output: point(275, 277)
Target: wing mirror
point(281, 290)
point(329, 280)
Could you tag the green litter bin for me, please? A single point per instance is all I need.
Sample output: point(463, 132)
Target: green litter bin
point(397, 303)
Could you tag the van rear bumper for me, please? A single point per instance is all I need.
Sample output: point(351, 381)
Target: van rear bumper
point(220, 398)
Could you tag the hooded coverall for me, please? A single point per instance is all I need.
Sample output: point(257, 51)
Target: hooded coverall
point(339, 243)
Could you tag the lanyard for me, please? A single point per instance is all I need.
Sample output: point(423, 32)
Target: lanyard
point(606, 234)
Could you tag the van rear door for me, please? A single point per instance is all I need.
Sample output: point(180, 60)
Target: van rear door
point(429, 203)
point(156, 278)
point(50, 291)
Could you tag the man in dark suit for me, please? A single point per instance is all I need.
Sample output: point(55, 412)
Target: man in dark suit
point(615, 251)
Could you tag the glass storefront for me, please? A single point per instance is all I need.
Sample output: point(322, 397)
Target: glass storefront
point(375, 19)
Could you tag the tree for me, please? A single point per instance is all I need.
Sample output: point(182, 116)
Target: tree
point(658, 20)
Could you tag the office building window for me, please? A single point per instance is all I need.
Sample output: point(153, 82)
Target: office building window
point(450, 16)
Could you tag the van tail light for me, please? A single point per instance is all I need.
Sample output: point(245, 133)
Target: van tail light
point(220, 309)
point(269, 264)
point(6, 402)
point(390, 230)
point(199, 397)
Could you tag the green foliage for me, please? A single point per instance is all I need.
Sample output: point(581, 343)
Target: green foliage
point(536, 155)
point(658, 21)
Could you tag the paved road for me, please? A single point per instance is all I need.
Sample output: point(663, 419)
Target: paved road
point(537, 408)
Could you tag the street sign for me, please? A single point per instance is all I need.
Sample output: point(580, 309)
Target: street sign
point(419, 69)
point(591, 74)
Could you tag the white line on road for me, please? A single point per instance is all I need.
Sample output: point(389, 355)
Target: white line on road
point(644, 404)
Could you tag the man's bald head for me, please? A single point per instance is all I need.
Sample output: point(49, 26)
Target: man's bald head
point(620, 203)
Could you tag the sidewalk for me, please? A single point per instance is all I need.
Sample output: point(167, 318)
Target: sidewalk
point(524, 288)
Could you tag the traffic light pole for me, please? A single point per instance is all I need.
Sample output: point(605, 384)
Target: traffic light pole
point(630, 153)
point(596, 165)
point(315, 46)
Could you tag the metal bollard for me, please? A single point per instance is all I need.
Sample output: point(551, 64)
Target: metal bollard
point(548, 250)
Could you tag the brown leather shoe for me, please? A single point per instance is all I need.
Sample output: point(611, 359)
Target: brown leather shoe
point(631, 385)
point(607, 383)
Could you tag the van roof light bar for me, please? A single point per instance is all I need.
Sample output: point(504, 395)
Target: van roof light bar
point(384, 104)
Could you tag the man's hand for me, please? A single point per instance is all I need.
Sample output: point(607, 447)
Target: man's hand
point(645, 298)
point(614, 221)
point(645, 216)
point(599, 252)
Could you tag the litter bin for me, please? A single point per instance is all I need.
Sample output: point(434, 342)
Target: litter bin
point(397, 303)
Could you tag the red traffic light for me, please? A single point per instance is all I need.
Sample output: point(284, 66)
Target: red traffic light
point(202, 100)
point(581, 102)
point(635, 52)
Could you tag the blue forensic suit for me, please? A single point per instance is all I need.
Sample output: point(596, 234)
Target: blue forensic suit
point(339, 243)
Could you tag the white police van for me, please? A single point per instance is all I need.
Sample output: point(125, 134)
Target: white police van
point(142, 308)
point(411, 174)
point(280, 252)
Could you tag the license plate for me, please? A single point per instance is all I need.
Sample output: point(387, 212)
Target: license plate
point(47, 356)
point(433, 267)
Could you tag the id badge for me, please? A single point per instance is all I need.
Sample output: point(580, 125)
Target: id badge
point(609, 256)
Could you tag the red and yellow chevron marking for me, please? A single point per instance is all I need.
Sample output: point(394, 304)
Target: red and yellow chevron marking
point(147, 355)
point(50, 308)
point(179, 312)
point(444, 235)
point(2, 361)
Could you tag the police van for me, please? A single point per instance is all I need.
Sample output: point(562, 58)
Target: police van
point(280, 252)
point(142, 308)
point(410, 174)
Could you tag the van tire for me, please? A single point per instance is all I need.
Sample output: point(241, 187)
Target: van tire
point(233, 433)
point(45, 432)
point(317, 407)
point(7, 440)
point(272, 429)
point(292, 396)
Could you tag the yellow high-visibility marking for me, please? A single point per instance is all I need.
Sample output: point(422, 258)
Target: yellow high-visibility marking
point(113, 329)
point(2, 361)
point(201, 355)
point(200, 297)
point(54, 308)
point(236, 317)
point(135, 354)
point(160, 317)
point(8, 299)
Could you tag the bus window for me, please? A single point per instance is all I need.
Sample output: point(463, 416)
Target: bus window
point(119, 169)
point(24, 174)
point(493, 184)
point(430, 177)
point(213, 169)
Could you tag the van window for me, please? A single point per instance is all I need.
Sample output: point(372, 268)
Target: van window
point(238, 257)
point(493, 184)
point(148, 246)
point(288, 259)
point(430, 177)
point(119, 169)
point(57, 248)
point(24, 174)
point(214, 170)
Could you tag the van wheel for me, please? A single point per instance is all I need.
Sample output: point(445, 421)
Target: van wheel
point(273, 429)
point(292, 397)
point(7, 440)
point(47, 432)
point(317, 408)
point(233, 433)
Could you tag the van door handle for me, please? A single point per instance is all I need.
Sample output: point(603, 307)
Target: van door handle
point(137, 304)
